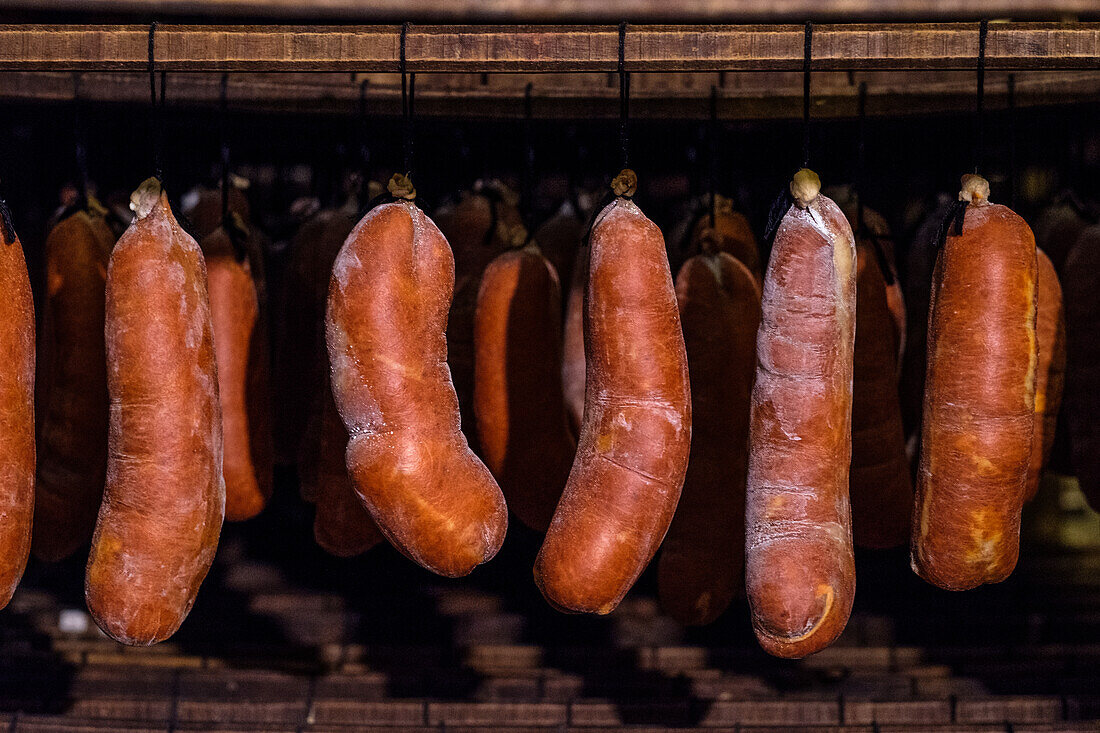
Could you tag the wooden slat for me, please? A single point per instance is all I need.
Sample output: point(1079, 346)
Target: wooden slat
point(606, 11)
point(744, 95)
point(479, 49)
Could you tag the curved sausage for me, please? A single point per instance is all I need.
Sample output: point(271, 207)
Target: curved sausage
point(164, 502)
point(484, 223)
point(342, 526)
point(702, 560)
point(300, 359)
point(17, 399)
point(518, 403)
point(430, 495)
point(244, 391)
point(732, 234)
point(880, 489)
point(573, 366)
point(800, 572)
point(979, 401)
point(1050, 330)
point(72, 386)
point(634, 441)
point(1081, 286)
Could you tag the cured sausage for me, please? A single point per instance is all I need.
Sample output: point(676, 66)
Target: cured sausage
point(17, 399)
point(1050, 328)
point(979, 401)
point(72, 385)
point(164, 502)
point(430, 495)
point(518, 403)
point(800, 571)
point(341, 525)
point(731, 233)
point(300, 359)
point(1081, 286)
point(484, 223)
point(633, 448)
point(244, 390)
point(562, 235)
point(202, 206)
point(881, 491)
point(572, 363)
point(702, 559)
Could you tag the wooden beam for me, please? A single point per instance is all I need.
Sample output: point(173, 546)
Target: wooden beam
point(481, 49)
point(742, 95)
point(580, 11)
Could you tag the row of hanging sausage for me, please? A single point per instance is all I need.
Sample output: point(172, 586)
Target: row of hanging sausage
point(755, 393)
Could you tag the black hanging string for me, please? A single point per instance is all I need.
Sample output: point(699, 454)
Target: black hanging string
point(408, 87)
point(807, 55)
point(979, 119)
point(158, 138)
point(80, 142)
point(528, 183)
point(712, 134)
point(1012, 141)
point(624, 98)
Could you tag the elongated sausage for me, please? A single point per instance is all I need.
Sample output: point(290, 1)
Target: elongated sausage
point(342, 526)
point(518, 403)
point(430, 495)
point(300, 359)
point(1081, 286)
point(634, 441)
point(17, 399)
point(244, 388)
point(702, 560)
point(72, 386)
point(573, 367)
point(979, 401)
point(880, 489)
point(732, 233)
point(164, 502)
point(484, 223)
point(1050, 329)
point(800, 573)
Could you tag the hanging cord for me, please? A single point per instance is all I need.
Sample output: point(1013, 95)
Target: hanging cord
point(527, 187)
point(408, 89)
point(80, 143)
point(956, 215)
point(979, 119)
point(712, 168)
point(231, 223)
point(1012, 141)
point(624, 98)
point(807, 56)
point(157, 111)
point(785, 200)
point(862, 230)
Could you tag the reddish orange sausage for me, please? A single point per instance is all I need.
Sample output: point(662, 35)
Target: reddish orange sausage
point(1050, 330)
point(300, 360)
point(341, 526)
point(634, 441)
point(17, 412)
point(880, 489)
point(410, 463)
point(240, 341)
point(72, 386)
point(979, 402)
point(1081, 285)
point(573, 367)
point(800, 572)
point(518, 403)
point(732, 234)
point(164, 502)
point(702, 559)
